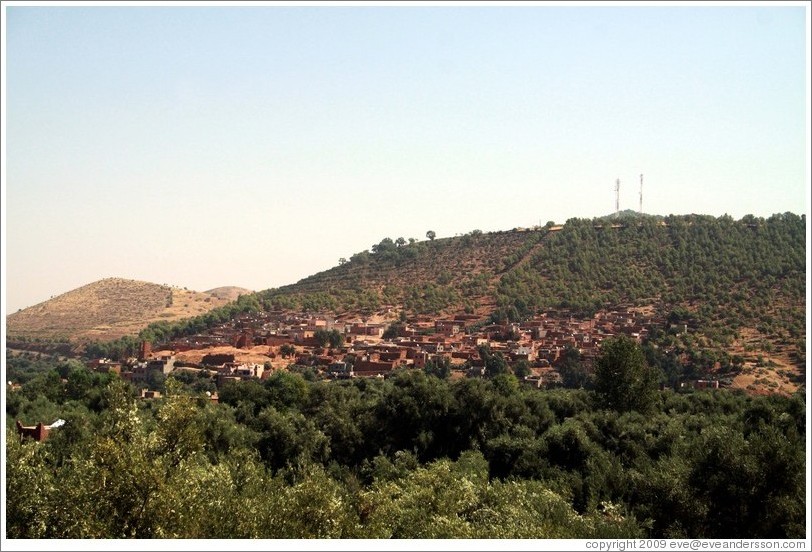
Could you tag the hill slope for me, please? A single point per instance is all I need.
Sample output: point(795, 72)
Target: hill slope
point(738, 287)
point(111, 308)
point(719, 272)
point(731, 295)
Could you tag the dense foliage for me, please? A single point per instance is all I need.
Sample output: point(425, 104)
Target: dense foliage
point(715, 274)
point(412, 456)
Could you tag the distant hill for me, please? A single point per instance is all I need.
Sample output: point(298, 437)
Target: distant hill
point(630, 214)
point(112, 308)
point(228, 293)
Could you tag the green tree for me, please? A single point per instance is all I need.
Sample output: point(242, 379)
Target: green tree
point(623, 380)
point(521, 369)
point(439, 367)
point(431, 234)
point(393, 330)
point(322, 337)
point(335, 339)
point(573, 373)
point(495, 363)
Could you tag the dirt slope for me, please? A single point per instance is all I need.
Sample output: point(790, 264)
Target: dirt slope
point(111, 308)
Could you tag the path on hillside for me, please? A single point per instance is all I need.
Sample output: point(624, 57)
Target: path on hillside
point(489, 301)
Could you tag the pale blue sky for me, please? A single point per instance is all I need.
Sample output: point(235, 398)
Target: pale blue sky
point(254, 146)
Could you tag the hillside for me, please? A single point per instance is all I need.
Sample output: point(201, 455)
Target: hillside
point(227, 293)
point(424, 277)
point(736, 288)
point(715, 273)
point(111, 308)
point(730, 296)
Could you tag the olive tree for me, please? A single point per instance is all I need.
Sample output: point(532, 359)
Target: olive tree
point(623, 380)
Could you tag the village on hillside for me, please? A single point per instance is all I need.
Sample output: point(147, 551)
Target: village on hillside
point(255, 345)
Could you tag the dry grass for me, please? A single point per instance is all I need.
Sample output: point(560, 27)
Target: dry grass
point(111, 308)
point(765, 372)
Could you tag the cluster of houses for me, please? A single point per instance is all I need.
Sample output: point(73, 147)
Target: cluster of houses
point(299, 338)
point(369, 350)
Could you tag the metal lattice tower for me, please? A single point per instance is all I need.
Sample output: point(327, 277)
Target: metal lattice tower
point(617, 196)
point(641, 194)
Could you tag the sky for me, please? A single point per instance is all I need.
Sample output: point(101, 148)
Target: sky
point(206, 146)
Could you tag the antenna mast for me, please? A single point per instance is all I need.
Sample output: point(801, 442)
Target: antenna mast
point(641, 194)
point(617, 196)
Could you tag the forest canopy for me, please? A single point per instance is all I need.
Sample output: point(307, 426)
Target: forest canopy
point(411, 456)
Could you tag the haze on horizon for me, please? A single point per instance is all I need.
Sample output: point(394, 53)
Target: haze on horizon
point(253, 146)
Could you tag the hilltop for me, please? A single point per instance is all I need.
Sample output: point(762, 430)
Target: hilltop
point(112, 308)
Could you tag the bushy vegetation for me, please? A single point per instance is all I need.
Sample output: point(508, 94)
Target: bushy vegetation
point(714, 274)
point(412, 456)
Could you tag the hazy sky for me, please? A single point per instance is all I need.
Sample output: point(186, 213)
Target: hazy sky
point(254, 146)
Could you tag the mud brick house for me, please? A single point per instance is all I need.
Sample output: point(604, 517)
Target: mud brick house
point(340, 370)
point(420, 358)
point(304, 335)
point(275, 340)
point(523, 352)
point(700, 384)
point(146, 394)
point(164, 363)
point(38, 432)
point(244, 340)
point(371, 365)
point(144, 351)
point(105, 366)
point(218, 359)
point(368, 330)
point(448, 327)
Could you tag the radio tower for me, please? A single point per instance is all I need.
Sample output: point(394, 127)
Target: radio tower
point(617, 196)
point(641, 194)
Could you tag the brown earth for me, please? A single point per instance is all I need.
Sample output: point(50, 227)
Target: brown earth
point(765, 371)
point(111, 308)
point(257, 355)
point(227, 293)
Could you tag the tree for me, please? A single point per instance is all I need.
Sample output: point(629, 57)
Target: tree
point(393, 330)
point(495, 363)
point(573, 373)
point(384, 246)
point(431, 234)
point(439, 367)
point(322, 337)
point(400, 242)
point(522, 369)
point(623, 380)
